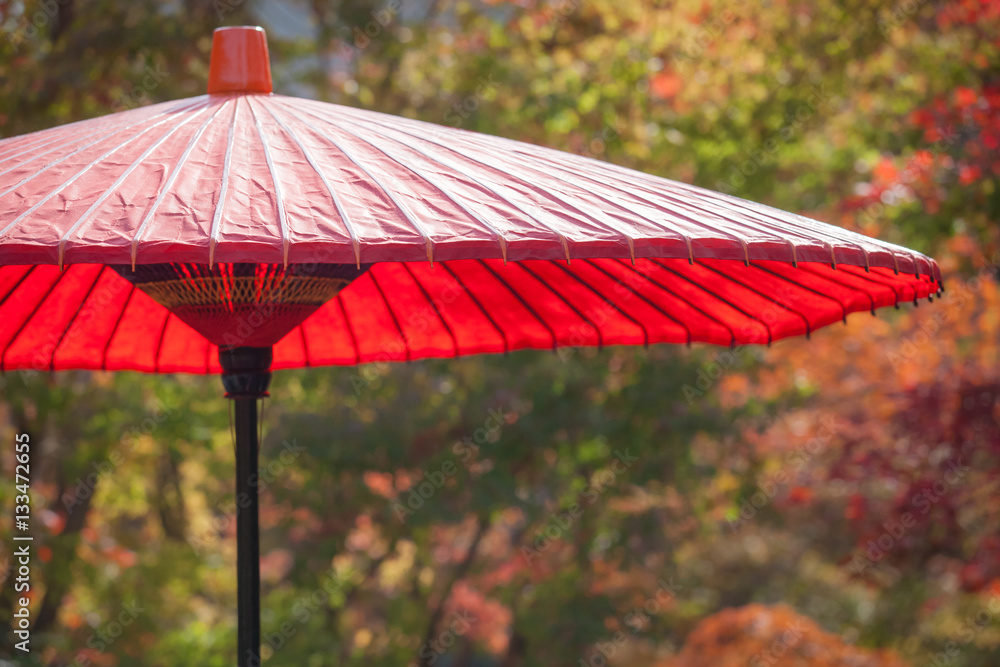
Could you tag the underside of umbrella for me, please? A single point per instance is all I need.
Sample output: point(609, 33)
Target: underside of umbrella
point(89, 316)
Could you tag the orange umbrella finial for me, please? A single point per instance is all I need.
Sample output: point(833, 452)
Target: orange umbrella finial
point(240, 63)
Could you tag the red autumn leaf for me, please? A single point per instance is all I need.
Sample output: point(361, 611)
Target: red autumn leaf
point(965, 97)
point(800, 494)
point(969, 174)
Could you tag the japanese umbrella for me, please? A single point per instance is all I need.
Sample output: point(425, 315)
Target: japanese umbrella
point(242, 231)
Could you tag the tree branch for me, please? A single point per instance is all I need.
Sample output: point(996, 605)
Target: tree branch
point(460, 571)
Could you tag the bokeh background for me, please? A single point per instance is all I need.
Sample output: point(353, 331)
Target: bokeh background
point(823, 502)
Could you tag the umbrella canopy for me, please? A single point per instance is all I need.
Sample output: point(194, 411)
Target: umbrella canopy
point(479, 244)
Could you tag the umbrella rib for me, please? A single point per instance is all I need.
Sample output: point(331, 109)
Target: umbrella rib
point(873, 279)
point(279, 195)
point(78, 174)
point(475, 300)
point(69, 325)
point(114, 330)
point(146, 112)
point(13, 289)
point(159, 343)
point(392, 314)
point(681, 324)
point(843, 306)
point(305, 346)
point(600, 218)
point(17, 284)
point(562, 238)
point(680, 297)
point(631, 240)
point(770, 336)
point(781, 232)
point(165, 190)
point(626, 176)
point(645, 332)
point(437, 311)
point(682, 215)
point(121, 179)
point(350, 330)
point(819, 228)
point(637, 178)
point(831, 231)
point(606, 183)
point(208, 355)
point(682, 210)
point(817, 232)
point(34, 143)
point(805, 319)
point(524, 303)
point(220, 205)
point(34, 311)
point(348, 225)
point(386, 191)
point(57, 140)
point(566, 203)
point(600, 336)
point(501, 240)
point(99, 127)
point(624, 207)
point(871, 300)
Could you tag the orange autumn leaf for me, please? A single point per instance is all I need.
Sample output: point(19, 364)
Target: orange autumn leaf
point(885, 171)
point(665, 85)
point(380, 483)
point(72, 620)
point(776, 636)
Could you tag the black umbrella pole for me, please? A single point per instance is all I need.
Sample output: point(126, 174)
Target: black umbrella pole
point(246, 376)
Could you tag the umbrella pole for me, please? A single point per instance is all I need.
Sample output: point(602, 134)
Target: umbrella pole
point(246, 375)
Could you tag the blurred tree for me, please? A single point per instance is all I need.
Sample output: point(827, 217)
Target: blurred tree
point(767, 485)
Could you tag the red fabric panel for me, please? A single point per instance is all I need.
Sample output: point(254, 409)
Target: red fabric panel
point(374, 324)
point(424, 332)
point(87, 316)
point(449, 301)
point(19, 309)
point(602, 321)
point(53, 315)
point(330, 337)
point(519, 326)
point(183, 350)
point(90, 333)
point(138, 336)
point(292, 349)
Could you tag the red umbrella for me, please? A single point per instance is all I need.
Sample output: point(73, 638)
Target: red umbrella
point(217, 233)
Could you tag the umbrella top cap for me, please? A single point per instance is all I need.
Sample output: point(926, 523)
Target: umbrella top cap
point(240, 62)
